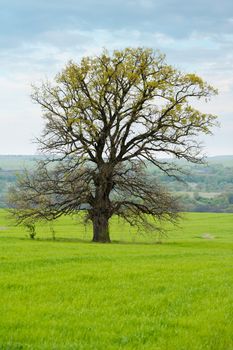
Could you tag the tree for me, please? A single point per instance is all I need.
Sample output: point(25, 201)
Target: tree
point(106, 119)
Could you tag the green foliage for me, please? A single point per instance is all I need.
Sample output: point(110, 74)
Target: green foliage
point(71, 294)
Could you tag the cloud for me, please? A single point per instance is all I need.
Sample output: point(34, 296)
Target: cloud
point(25, 19)
point(142, 4)
point(43, 53)
point(20, 119)
point(208, 55)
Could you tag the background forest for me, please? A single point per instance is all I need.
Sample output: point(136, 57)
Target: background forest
point(205, 188)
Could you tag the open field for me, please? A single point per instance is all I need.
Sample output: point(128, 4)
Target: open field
point(132, 294)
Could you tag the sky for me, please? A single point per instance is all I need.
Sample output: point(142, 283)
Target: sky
point(38, 38)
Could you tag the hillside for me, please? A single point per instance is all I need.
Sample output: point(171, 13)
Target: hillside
point(207, 187)
point(17, 162)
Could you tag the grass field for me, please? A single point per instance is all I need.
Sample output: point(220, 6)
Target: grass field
point(132, 294)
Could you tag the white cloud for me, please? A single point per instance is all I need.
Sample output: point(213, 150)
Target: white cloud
point(19, 118)
point(208, 56)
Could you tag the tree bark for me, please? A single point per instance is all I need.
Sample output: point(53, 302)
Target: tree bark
point(101, 229)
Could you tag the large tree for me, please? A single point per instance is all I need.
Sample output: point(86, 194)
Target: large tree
point(106, 119)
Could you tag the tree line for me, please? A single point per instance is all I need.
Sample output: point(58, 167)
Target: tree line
point(204, 188)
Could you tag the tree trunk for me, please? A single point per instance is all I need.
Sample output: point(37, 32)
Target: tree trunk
point(101, 211)
point(100, 229)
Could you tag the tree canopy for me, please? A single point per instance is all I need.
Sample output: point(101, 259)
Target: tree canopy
point(106, 118)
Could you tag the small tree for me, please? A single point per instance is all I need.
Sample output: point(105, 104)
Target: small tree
point(106, 119)
point(30, 227)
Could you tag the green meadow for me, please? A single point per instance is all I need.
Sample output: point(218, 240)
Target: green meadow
point(140, 292)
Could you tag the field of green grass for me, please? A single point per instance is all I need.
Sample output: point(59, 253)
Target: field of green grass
point(131, 294)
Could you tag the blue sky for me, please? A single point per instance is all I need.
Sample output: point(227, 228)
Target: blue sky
point(38, 38)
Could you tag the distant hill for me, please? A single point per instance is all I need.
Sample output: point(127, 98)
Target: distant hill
point(16, 162)
point(223, 160)
point(206, 187)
